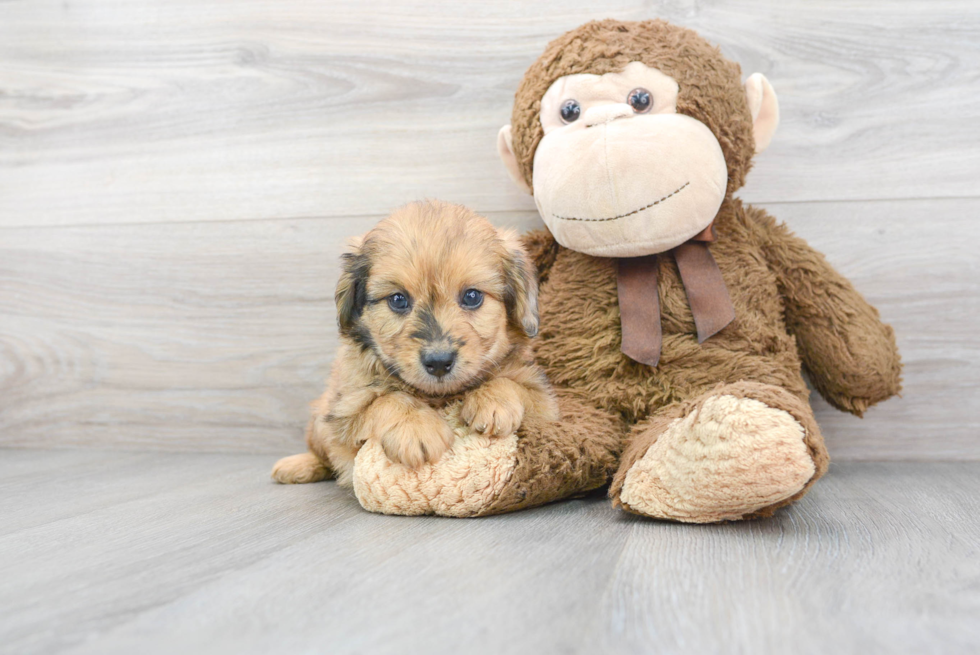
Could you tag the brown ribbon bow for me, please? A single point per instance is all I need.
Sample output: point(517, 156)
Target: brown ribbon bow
point(639, 302)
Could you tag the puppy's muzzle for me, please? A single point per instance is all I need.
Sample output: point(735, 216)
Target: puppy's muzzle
point(439, 362)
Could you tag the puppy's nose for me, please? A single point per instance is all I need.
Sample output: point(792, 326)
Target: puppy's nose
point(439, 362)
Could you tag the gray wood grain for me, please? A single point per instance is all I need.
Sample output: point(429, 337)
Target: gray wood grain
point(202, 553)
point(146, 111)
point(215, 336)
point(883, 558)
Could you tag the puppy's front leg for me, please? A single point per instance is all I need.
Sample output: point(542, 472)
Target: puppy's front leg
point(495, 408)
point(498, 406)
point(410, 431)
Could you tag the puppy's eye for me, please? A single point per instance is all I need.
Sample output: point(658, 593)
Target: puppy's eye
point(640, 100)
point(570, 111)
point(471, 299)
point(399, 302)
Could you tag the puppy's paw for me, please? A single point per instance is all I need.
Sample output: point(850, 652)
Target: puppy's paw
point(299, 469)
point(422, 436)
point(494, 409)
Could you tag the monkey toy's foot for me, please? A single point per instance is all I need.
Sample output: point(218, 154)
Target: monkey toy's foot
point(739, 451)
point(481, 475)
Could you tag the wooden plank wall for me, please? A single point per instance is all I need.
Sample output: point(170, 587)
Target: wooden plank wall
point(178, 177)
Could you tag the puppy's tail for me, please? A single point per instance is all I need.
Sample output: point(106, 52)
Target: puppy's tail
point(300, 469)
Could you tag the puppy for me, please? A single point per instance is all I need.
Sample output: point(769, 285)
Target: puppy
point(435, 306)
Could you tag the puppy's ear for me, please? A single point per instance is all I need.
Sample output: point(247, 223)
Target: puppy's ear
point(521, 280)
point(351, 294)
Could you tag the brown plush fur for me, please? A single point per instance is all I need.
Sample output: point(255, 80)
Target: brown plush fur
point(793, 310)
point(770, 282)
point(576, 454)
point(432, 253)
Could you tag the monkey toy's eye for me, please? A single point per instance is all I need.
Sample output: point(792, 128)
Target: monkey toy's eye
point(570, 111)
point(640, 100)
point(471, 299)
point(399, 302)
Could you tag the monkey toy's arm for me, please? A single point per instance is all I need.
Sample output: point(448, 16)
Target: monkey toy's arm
point(849, 354)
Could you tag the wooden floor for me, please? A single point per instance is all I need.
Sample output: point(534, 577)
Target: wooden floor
point(109, 552)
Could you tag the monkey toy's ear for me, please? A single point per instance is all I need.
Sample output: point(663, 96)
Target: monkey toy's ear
point(505, 146)
point(764, 109)
point(521, 280)
point(351, 294)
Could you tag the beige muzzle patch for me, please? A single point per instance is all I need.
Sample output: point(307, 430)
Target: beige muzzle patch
point(462, 483)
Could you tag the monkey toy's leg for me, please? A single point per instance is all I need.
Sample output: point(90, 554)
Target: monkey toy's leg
point(738, 451)
point(479, 475)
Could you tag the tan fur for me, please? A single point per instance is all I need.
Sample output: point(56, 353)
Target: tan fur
point(299, 469)
point(379, 390)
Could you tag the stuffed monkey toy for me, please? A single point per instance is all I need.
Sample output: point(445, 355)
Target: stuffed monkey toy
point(675, 321)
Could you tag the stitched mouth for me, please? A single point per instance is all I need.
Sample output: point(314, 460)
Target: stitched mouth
point(635, 211)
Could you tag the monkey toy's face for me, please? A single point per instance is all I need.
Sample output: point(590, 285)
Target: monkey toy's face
point(619, 172)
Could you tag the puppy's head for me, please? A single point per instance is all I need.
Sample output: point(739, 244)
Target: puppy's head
point(439, 295)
